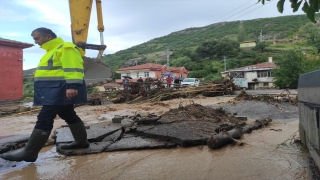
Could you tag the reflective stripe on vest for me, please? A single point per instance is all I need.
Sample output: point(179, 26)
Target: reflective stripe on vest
point(52, 68)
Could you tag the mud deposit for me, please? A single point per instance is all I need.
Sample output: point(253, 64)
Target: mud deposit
point(266, 153)
point(259, 158)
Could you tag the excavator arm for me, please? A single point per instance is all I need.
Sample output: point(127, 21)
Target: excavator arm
point(80, 11)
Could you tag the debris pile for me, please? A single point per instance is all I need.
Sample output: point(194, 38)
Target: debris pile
point(137, 93)
point(285, 96)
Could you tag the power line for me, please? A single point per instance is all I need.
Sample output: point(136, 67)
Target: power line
point(233, 10)
point(254, 9)
point(239, 12)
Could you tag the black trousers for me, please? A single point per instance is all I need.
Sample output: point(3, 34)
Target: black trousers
point(49, 112)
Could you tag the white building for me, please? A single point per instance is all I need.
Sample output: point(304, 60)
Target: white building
point(257, 76)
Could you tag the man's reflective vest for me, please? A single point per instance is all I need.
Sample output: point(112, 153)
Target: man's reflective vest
point(61, 68)
point(56, 64)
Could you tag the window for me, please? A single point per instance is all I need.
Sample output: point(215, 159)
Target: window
point(237, 74)
point(137, 74)
point(262, 74)
point(265, 84)
point(146, 74)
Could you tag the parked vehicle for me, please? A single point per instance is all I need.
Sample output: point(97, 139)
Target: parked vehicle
point(191, 82)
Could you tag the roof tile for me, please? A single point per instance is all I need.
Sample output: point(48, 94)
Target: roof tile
point(15, 42)
point(257, 66)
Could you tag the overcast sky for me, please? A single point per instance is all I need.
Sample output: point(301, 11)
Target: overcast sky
point(127, 22)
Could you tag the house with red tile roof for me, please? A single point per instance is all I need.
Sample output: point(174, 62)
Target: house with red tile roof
point(152, 70)
point(257, 76)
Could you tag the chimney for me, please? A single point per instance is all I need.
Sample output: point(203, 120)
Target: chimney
point(270, 59)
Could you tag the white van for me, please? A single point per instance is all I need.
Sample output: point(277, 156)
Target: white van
point(191, 82)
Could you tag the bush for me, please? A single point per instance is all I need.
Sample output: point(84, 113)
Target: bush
point(92, 90)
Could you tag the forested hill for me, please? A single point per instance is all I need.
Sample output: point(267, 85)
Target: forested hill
point(202, 49)
point(185, 42)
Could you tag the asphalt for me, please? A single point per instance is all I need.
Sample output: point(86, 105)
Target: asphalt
point(149, 132)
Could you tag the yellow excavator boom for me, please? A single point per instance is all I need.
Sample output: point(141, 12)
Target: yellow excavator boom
point(80, 11)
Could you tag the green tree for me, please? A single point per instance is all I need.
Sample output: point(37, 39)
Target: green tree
point(226, 47)
point(217, 66)
point(311, 64)
point(242, 34)
point(198, 74)
point(181, 61)
point(192, 66)
point(207, 49)
point(262, 45)
point(116, 76)
point(311, 32)
point(289, 68)
point(310, 7)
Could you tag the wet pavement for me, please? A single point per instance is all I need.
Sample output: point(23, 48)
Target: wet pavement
point(266, 153)
point(260, 157)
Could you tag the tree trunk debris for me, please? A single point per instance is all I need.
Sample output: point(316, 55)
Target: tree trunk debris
point(136, 93)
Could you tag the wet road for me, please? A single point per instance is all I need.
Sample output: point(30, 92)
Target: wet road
point(261, 157)
point(272, 91)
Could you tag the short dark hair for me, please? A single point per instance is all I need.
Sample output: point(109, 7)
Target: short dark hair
point(44, 30)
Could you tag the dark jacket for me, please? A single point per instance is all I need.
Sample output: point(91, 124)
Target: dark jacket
point(50, 89)
point(54, 93)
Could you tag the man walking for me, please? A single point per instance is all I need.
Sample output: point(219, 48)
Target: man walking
point(148, 81)
point(125, 83)
point(169, 81)
point(58, 85)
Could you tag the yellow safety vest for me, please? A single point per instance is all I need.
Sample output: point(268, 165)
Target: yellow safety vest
point(63, 61)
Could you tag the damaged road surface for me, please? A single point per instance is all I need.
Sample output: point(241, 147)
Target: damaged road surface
point(142, 145)
point(186, 126)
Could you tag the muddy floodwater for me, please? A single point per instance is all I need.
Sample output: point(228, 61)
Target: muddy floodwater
point(267, 153)
point(260, 157)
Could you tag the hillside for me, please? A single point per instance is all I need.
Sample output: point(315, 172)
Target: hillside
point(191, 38)
point(202, 49)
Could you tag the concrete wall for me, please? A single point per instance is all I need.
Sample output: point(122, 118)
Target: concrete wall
point(152, 74)
point(140, 73)
point(309, 129)
point(250, 75)
point(259, 83)
point(309, 113)
point(11, 74)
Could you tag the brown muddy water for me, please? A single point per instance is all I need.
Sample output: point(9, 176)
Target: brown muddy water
point(261, 157)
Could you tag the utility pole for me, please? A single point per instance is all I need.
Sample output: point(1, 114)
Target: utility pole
point(168, 60)
point(225, 64)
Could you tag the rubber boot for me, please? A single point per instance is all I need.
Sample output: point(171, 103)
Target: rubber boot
point(30, 152)
point(80, 137)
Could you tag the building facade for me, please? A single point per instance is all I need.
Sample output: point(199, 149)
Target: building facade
point(11, 74)
point(257, 76)
point(248, 45)
point(155, 71)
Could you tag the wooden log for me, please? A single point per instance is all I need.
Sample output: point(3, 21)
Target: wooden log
point(247, 128)
point(235, 133)
point(219, 140)
point(148, 120)
point(259, 123)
